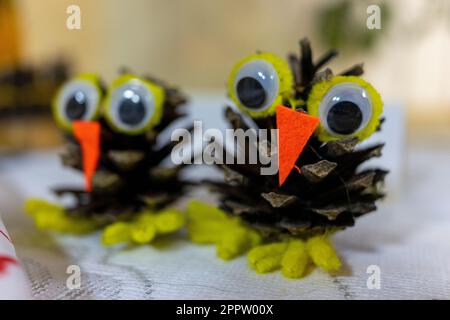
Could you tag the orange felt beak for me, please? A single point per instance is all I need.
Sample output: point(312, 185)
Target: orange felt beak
point(88, 135)
point(294, 130)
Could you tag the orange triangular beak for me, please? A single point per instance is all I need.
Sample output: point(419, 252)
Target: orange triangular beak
point(88, 135)
point(294, 130)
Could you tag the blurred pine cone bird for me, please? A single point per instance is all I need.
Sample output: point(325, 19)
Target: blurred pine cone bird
point(112, 138)
point(285, 220)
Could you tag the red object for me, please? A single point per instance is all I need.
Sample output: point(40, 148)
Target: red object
point(298, 169)
point(5, 235)
point(294, 130)
point(4, 261)
point(88, 135)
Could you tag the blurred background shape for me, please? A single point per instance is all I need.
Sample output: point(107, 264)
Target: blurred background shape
point(9, 46)
point(25, 90)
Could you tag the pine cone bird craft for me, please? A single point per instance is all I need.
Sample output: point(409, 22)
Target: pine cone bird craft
point(112, 139)
point(285, 220)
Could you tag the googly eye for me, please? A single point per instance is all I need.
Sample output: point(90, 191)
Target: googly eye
point(134, 105)
point(346, 106)
point(259, 83)
point(78, 99)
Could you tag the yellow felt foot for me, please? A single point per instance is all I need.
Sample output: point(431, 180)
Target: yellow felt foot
point(323, 254)
point(209, 225)
point(205, 222)
point(168, 221)
point(116, 233)
point(235, 242)
point(144, 228)
point(49, 216)
point(295, 260)
point(268, 257)
point(141, 233)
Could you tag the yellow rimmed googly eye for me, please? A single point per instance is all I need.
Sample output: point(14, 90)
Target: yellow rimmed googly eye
point(259, 83)
point(78, 99)
point(134, 105)
point(346, 106)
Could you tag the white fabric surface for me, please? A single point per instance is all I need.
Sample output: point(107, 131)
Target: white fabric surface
point(408, 238)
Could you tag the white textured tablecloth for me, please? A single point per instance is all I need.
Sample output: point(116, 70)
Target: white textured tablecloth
point(408, 238)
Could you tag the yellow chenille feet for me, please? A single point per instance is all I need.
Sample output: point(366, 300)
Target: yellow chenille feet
point(293, 256)
point(289, 256)
point(52, 217)
point(144, 228)
point(323, 254)
point(267, 258)
point(209, 225)
point(295, 260)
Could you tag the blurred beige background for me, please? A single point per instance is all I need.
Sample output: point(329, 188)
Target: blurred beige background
point(195, 43)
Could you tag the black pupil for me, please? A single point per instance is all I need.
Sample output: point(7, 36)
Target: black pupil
point(251, 93)
point(131, 109)
point(76, 106)
point(344, 117)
